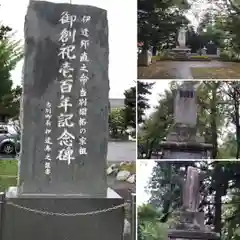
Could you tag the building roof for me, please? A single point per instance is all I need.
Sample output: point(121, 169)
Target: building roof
point(116, 103)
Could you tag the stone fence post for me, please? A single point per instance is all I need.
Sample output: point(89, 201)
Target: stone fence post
point(2, 202)
point(133, 217)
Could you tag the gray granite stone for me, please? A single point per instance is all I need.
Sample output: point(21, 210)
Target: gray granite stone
point(45, 55)
point(185, 107)
point(184, 155)
point(30, 225)
point(183, 140)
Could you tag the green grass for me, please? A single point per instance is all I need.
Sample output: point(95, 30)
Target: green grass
point(203, 58)
point(8, 174)
point(230, 72)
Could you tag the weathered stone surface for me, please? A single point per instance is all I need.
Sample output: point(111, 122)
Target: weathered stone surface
point(185, 107)
point(184, 155)
point(183, 141)
point(85, 175)
point(29, 225)
point(191, 194)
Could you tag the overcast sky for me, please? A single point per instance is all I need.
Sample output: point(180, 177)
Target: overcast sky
point(122, 21)
point(158, 88)
point(144, 172)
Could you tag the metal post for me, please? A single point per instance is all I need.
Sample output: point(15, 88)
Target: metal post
point(133, 217)
point(2, 202)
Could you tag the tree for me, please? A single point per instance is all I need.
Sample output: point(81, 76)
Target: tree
point(217, 121)
point(117, 125)
point(130, 107)
point(11, 101)
point(10, 54)
point(149, 227)
point(217, 193)
point(159, 21)
point(143, 89)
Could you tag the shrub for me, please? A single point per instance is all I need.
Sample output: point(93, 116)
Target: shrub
point(200, 57)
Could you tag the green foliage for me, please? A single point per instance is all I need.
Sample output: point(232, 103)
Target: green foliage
point(10, 54)
point(201, 58)
point(130, 107)
point(153, 21)
point(149, 227)
point(218, 108)
point(158, 125)
point(220, 196)
point(117, 123)
point(143, 89)
point(221, 25)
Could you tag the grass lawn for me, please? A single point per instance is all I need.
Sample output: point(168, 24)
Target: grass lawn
point(232, 72)
point(8, 174)
point(154, 71)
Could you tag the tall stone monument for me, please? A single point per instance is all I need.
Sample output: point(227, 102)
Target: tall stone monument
point(181, 51)
point(191, 222)
point(65, 101)
point(183, 141)
point(64, 129)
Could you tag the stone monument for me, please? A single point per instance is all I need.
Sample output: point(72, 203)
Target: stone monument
point(191, 223)
point(183, 141)
point(62, 167)
point(181, 52)
point(204, 51)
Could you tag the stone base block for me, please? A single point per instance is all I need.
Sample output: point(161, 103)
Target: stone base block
point(192, 234)
point(26, 218)
point(144, 58)
point(181, 54)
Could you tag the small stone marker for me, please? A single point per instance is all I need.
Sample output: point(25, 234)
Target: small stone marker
point(65, 101)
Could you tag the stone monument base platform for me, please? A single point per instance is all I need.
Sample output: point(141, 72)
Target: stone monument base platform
point(54, 218)
point(186, 146)
point(185, 150)
point(192, 234)
point(181, 53)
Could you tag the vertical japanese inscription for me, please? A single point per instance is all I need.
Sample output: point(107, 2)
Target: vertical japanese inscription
point(82, 104)
point(65, 118)
point(48, 140)
point(67, 54)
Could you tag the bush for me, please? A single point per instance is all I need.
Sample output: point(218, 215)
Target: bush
point(206, 58)
point(229, 57)
point(153, 231)
point(161, 58)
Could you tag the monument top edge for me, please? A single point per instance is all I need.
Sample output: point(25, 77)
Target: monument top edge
point(37, 2)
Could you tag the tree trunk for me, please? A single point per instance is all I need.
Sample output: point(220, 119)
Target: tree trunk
point(218, 198)
point(213, 120)
point(237, 119)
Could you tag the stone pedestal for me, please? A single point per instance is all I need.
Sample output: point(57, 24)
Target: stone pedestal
point(181, 53)
point(184, 143)
point(144, 58)
point(191, 226)
point(193, 234)
point(39, 219)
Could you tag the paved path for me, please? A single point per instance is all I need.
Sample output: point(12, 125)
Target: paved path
point(179, 69)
